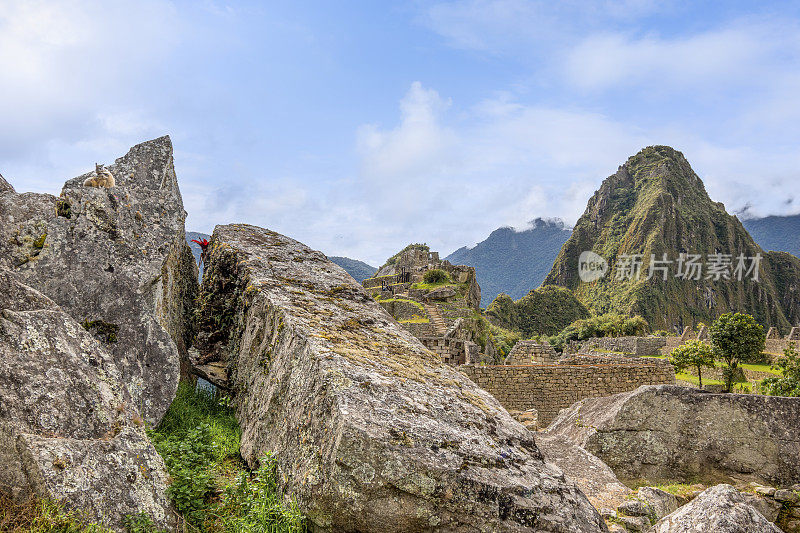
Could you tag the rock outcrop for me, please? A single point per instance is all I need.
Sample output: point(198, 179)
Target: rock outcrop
point(116, 260)
point(719, 509)
point(69, 429)
point(5, 187)
point(371, 431)
point(666, 432)
point(595, 479)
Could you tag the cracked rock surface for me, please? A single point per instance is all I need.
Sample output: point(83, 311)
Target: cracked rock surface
point(69, 430)
point(667, 432)
point(371, 431)
point(116, 258)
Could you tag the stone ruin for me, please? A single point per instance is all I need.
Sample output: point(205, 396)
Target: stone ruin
point(531, 352)
point(532, 377)
point(443, 318)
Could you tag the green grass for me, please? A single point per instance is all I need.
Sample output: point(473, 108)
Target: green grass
point(414, 321)
point(693, 379)
point(430, 286)
point(404, 300)
point(211, 486)
point(42, 516)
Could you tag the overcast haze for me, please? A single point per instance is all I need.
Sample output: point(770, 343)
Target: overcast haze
point(357, 127)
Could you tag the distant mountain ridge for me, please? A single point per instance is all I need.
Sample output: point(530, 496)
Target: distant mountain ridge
point(656, 204)
point(359, 270)
point(778, 233)
point(514, 262)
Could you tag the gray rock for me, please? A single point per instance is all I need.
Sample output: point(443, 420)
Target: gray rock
point(595, 479)
point(634, 524)
point(116, 256)
point(69, 429)
point(442, 293)
point(764, 505)
point(666, 432)
point(371, 431)
point(719, 509)
point(635, 508)
point(5, 187)
point(786, 495)
point(661, 502)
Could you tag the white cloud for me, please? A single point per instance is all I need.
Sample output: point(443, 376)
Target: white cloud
point(738, 56)
point(527, 28)
point(78, 74)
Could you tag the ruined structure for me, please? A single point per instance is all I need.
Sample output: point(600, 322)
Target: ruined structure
point(531, 352)
point(444, 316)
point(367, 426)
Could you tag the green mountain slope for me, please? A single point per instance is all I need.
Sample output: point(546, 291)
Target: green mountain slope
point(546, 310)
point(656, 204)
point(513, 262)
point(359, 270)
point(776, 233)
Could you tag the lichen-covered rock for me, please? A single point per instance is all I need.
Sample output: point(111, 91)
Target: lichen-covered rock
point(661, 502)
point(69, 429)
point(595, 479)
point(371, 431)
point(719, 509)
point(666, 432)
point(116, 258)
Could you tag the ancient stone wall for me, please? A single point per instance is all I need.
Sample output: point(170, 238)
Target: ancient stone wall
point(637, 346)
point(531, 352)
point(452, 351)
point(550, 388)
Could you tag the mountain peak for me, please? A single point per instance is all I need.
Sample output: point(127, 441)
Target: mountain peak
point(656, 204)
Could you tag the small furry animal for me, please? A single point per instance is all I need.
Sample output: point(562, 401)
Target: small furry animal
point(103, 178)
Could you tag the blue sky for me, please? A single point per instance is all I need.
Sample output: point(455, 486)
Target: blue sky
point(357, 127)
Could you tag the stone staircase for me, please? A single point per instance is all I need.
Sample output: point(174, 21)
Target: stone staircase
point(439, 324)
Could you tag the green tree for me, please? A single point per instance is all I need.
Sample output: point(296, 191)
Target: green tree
point(736, 338)
point(693, 354)
point(788, 384)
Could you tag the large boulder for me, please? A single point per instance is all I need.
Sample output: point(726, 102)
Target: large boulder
point(667, 432)
point(115, 259)
point(371, 431)
point(719, 509)
point(595, 479)
point(69, 429)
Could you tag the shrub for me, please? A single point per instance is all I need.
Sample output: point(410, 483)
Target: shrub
point(736, 338)
point(607, 325)
point(788, 384)
point(436, 275)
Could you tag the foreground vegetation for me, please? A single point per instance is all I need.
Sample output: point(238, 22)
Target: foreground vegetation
point(211, 487)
